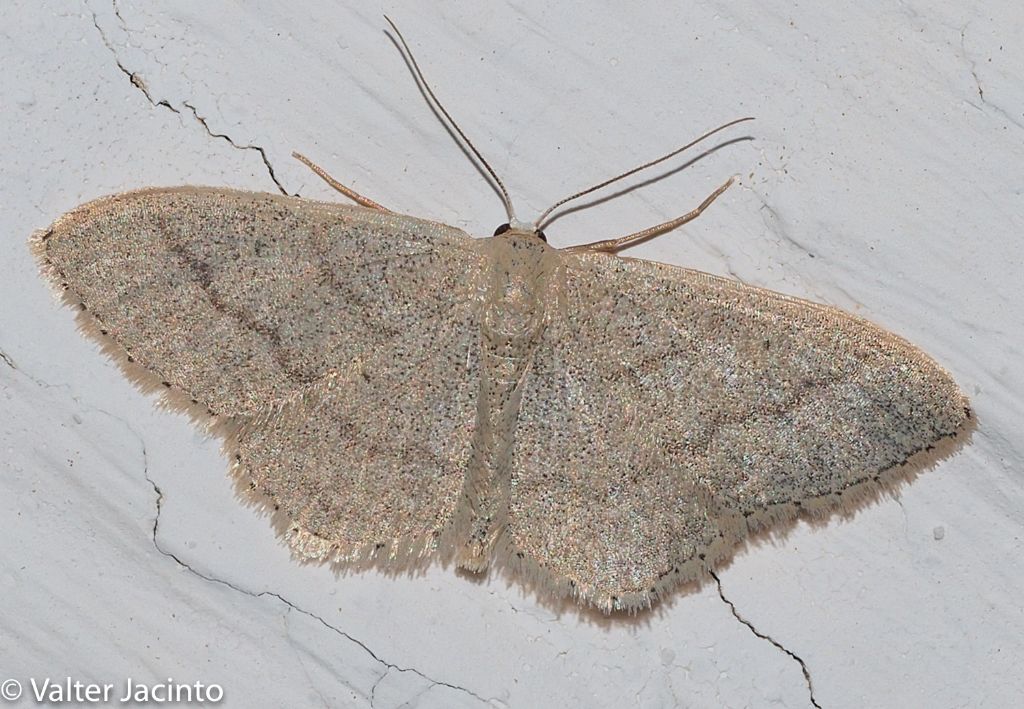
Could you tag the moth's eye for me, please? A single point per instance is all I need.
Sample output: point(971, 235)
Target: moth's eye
point(541, 236)
point(502, 229)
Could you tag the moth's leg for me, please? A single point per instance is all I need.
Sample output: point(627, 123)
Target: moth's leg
point(613, 245)
point(347, 191)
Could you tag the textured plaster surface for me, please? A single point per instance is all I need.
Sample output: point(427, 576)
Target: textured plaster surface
point(882, 176)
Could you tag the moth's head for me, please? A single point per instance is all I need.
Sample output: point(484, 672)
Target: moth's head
point(516, 227)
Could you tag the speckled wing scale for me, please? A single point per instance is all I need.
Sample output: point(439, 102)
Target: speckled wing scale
point(333, 346)
point(238, 298)
point(709, 410)
point(605, 427)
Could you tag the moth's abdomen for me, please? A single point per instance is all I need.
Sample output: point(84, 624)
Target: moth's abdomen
point(517, 291)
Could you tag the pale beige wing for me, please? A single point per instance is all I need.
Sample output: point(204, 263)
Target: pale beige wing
point(669, 413)
point(367, 464)
point(232, 300)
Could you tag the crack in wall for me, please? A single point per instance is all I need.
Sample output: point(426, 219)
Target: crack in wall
point(155, 529)
point(134, 78)
point(774, 225)
point(389, 666)
point(117, 12)
point(140, 84)
point(768, 638)
point(237, 146)
point(973, 68)
point(42, 384)
point(373, 689)
point(971, 64)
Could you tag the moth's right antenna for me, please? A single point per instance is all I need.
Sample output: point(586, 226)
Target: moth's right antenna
point(539, 224)
point(451, 121)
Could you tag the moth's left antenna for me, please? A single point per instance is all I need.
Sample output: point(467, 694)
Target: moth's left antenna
point(451, 121)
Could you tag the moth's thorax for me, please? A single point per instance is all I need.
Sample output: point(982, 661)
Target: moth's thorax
point(521, 282)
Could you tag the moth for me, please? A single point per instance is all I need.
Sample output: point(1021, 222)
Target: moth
point(397, 391)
